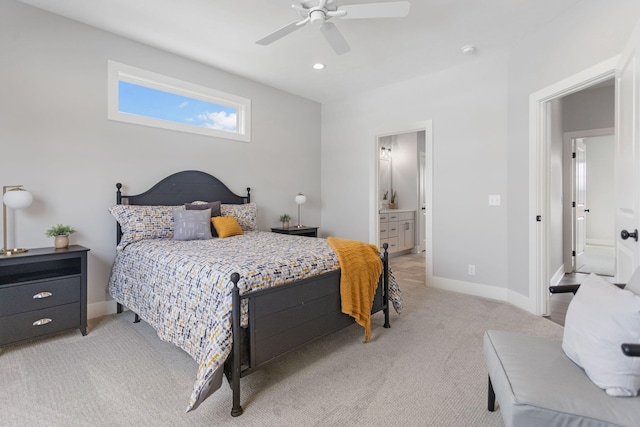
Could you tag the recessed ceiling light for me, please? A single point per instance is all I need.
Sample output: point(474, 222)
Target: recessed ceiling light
point(318, 66)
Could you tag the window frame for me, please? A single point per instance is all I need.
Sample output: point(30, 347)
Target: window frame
point(121, 72)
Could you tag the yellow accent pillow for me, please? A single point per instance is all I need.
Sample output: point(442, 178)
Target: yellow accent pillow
point(226, 226)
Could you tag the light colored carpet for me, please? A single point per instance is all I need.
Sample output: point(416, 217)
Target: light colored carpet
point(427, 370)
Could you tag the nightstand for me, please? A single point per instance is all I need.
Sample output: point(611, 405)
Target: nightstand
point(42, 292)
point(295, 231)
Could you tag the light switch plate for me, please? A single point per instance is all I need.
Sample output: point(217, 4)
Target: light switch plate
point(494, 200)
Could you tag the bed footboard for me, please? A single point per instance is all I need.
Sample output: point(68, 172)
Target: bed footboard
point(316, 301)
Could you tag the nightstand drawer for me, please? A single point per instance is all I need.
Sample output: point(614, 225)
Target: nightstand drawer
point(38, 295)
point(39, 322)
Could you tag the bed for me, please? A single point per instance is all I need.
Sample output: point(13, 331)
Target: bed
point(233, 303)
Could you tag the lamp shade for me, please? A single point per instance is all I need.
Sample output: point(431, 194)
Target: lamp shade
point(17, 198)
point(301, 199)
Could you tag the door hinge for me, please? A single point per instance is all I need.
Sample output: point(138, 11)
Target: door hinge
point(538, 218)
point(573, 204)
point(573, 155)
point(573, 253)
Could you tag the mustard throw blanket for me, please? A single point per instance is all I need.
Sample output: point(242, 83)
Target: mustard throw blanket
point(360, 267)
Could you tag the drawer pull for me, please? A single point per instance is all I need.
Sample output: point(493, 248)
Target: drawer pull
point(42, 295)
point(41, 322)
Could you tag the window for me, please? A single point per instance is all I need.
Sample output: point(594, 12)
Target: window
point(151, 99)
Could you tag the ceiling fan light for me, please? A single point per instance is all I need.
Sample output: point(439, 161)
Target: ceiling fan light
point(318, 66)
point(317, 17)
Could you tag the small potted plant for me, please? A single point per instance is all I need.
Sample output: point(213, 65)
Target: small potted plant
point(392, 202)
point(61, 234)
point(384, 203)
point(284, 219)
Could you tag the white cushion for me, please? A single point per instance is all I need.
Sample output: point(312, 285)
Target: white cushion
point(599, 319)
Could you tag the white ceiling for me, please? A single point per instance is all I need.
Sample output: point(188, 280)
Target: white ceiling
point(222, 33)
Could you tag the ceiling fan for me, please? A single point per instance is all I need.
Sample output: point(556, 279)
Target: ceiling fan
point(319, 12)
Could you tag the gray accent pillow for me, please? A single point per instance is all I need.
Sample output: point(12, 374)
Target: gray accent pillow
point(192, 225)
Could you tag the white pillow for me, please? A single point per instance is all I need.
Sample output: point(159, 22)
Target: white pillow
point(599, 319)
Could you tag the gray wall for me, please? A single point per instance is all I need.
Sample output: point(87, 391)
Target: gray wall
point(468, 106)
point(480, 113)
point(56, 140)
point(589, 109)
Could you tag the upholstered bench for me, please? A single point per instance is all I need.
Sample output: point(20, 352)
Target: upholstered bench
point(536, 385)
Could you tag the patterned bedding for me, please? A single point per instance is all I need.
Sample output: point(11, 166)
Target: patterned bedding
point(183, 288)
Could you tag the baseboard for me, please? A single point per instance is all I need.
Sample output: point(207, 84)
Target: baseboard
point(557, 276)
point(469, 288)
point(491, 292)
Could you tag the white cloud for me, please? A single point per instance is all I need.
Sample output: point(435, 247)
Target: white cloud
point(220, 120)
point(184, 104)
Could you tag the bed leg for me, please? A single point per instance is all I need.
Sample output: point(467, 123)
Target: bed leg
point(236, 410)
point(118, 308)
point(136, 319)
point(491, 399)
point(385, 282)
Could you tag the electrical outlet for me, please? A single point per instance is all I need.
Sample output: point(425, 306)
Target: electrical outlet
point(471, 270)
point(494, 200)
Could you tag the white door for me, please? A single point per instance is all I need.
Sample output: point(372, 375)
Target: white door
point(580, 203)
point(627, 160)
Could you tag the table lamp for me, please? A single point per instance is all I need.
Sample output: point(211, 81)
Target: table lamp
point(15, 197)
point(300, 200)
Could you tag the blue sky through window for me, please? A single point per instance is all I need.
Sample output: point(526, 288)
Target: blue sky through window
point(154, 103)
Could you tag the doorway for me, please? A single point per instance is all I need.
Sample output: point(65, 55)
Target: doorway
point(544, 209)
point(418, 194)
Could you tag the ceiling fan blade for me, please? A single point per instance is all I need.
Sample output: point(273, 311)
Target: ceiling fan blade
point(335, 38)
point(398, 9)
point(278, 34)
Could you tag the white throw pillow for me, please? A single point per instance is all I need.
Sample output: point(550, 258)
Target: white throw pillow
point(599, 319)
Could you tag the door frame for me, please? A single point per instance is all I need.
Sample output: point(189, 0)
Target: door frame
point(374, 196)
point(539, 169)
